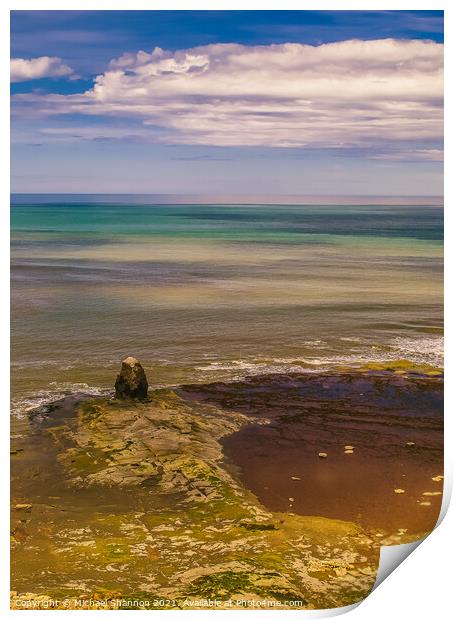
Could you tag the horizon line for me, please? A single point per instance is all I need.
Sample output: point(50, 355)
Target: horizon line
point(223, 198)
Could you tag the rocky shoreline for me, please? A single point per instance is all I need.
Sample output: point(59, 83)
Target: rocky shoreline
point(129, 499)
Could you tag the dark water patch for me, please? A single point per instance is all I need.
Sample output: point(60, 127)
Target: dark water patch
point(382, 434)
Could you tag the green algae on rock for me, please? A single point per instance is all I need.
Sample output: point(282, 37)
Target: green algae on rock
point(187, 530)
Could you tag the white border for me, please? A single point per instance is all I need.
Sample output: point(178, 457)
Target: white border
point(420, 587)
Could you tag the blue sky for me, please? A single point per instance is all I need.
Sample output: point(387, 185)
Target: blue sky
point(282, 102)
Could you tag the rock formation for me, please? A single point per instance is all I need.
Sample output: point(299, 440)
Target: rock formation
point(132, 382)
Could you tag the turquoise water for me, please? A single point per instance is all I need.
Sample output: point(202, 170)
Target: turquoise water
point(201, 292)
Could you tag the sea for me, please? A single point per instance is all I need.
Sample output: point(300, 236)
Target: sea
point(216, 292)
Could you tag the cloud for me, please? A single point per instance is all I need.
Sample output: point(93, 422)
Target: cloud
point(415, 154)
point(341, 95)
point(23, 69)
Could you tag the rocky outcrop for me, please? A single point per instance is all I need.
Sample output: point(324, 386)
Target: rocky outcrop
point(151, 511)
point(132, 382)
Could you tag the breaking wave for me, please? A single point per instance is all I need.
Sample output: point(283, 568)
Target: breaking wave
point(428, 350)
point(38, 401)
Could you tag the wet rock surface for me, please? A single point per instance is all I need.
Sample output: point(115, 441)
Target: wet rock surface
point(133, 499)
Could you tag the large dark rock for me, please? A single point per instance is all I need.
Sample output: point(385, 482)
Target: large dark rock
point(132, 381)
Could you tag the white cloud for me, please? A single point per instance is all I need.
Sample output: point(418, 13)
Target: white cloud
point(337, 95)
point(23, 69)
point(416, 154)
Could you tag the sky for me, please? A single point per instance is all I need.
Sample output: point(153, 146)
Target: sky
point(227, 102)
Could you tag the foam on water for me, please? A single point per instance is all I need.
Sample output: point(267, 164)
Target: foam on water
point(423, 350)
point(427, 350)
point(314, 356)
point(37, 401)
